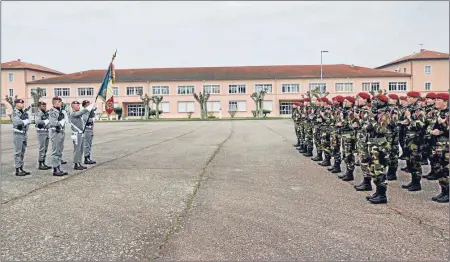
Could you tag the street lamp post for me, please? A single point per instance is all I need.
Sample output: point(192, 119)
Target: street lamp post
point(321, 71)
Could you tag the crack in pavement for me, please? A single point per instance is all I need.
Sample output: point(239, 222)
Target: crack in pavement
point(191, 198)
point(75, 174)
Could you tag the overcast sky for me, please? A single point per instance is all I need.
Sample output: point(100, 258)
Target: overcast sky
point(74, 36)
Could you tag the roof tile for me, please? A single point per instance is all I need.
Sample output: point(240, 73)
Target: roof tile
point(423, 55)
point(17, 64)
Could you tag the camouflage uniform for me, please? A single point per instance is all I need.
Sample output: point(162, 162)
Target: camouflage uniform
point(431, 115)
point(349, 143)
point(414, 137)
point(308, 127)
point(336, 133)
point(392, 136)
point(325, 133)
point(295, 117)
point(440, 152)
point(317, 123)
point(364, 116)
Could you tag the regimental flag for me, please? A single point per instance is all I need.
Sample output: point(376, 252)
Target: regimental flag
point(106, 92)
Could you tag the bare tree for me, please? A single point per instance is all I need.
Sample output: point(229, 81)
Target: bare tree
point(146, 101)
point(10, 101)
point(156, 100)
point(37, 94)
point(258, 97)
point(202, 99)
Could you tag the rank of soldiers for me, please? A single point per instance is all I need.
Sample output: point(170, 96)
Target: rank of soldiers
point(51, 127)
point(368, 131)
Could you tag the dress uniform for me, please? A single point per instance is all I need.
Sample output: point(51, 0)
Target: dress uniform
point(57, 124)
point(21, 123)
point(88, 134)
point(42, 124)
point(77, 125)
point(66, 118)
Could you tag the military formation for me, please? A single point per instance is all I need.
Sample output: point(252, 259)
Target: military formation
point(368, 130)
point(50, 126)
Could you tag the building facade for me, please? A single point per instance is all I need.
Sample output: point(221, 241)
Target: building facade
point(231, 87)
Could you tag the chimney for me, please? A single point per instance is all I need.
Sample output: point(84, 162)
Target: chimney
point(18, 59)
point(352, 65)
point(421, 50)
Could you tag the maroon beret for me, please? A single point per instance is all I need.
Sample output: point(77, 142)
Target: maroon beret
point(443, 96)
point(393, 96)
point(340, 99)
point(413, 94)
point(364, 95)
point(402, 98)
point(383, 98)
point(350, 99)
point(431, 95)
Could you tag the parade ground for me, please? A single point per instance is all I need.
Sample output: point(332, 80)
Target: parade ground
point(208, 190)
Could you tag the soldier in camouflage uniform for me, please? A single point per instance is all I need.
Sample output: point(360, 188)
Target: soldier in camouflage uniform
point(325, 132)
point(440, 146)
point(42, 134)
point(393, 136)
point(363, 115)
point(402, 128)
point(301, 129)
point(308, 126)
point(336, 133)
point(379, 147)
point(317, 123)
point(415, 124)
point(295, 118)
point(349, 123)
point(431, 114)
point(21, 123)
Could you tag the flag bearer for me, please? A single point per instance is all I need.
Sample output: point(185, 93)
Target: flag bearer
point(77, 124)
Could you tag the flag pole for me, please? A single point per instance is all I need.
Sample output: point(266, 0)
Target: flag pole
point(112, 60)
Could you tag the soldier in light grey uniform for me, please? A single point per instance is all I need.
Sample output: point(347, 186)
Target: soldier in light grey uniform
point(42, 133)
point(57, 124)
point(21, 123)
point(88, 134)
point(66, 118)
point(77, 124)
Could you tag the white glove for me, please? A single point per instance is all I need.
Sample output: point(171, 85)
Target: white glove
point(46, 121)
point(62, 122)
point(26, 121)
point(91, 107)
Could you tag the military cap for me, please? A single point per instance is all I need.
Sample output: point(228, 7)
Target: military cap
point(414, 94)
point(339, 99)
point(307, 99)
point(75, 102)
point(19, 101)
point(57, 98)
point(41, 103)
point(85, 102)
point(324, 99)
point(443, 96)
point(383, 98)
point(431, 95)
point(364, 95)
point(350, 99)
point(393, 96)
point(296, 104)
point(402, 98)
point(301, 101)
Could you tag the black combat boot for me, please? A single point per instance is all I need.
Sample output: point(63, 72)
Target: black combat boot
point(298, 143)
point(424, 161)
point(391, 174)
point(443, 196)
point(43, 166)
point(20, 172)
point(63, 162)
point(78, 167)
point(26, 172)
point(302, 149)
point(308, 152)
point(62, 171)
point(365, 185)
point(88, 160)
point(318, 157)
point(326, 161)
point(377, 189)
point(415, 182)
point(337, 167)
point(381, 197)
point(332, 166)
point(348, 175)
point(432, 175)
point(57, 172)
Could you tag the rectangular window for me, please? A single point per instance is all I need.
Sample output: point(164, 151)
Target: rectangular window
point(164, 106)
point(44, 91)
point(286, 108)
point(135, 110)
point(211, 89)
point(10, 77)
point(427, 69)
point(240, 106)
point(428, 86)
point(115, 91)
point(321, 86)
point(397, 86)
point(370, 86)
point(3, 110)
point(344, 87)
point(404, 70)
point(11, 92)
point(213, 106)
point(62, 92)
point(261, 87)
point(290, 88)
point(267, 105)
point(33, 78)
point(160, 90)
point(237, 89)
point(185, 90)
point(86, 91)
point(186, 107)
point(134, 90)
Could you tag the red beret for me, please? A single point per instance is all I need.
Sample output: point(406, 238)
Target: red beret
point(383, 98)
point(364, 95)
point(350, 99)
point(300, 101)
point(431, 95)
point(307, 99)
point(57, 98)
point(296, 104)
point(443, 96)
point(413, 94)
point(340, 99)
point(324, 99)
point(402, 98)
point(393, 96)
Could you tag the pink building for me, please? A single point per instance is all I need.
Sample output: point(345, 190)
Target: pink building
point(15, 76)
point(231, 87)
